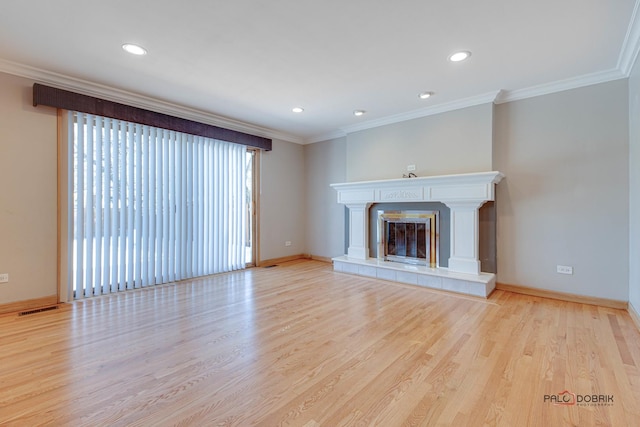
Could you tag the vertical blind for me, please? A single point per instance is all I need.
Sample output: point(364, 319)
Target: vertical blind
point(150, 205)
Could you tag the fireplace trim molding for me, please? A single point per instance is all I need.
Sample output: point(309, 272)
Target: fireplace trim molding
point(464, 194)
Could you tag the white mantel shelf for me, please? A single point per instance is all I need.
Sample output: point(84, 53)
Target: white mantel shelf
point(461, 188)
point(464, 194)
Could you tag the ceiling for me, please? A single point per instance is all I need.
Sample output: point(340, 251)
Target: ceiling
point(244, 64)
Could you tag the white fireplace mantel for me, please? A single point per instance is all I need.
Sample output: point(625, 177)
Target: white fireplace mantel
point(464, 194)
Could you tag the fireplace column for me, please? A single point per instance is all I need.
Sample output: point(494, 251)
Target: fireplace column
point(464, 245)
point(358, 230)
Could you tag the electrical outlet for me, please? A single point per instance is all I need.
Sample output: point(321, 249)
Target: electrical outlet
point(287, 243)
point(564, 269)
point(4, 277)
point(411, 168)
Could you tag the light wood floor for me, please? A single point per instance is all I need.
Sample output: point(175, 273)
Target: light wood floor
point(300, 345)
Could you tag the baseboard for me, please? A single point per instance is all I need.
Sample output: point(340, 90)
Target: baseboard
point(32, 304)
point(273, 261)
point(603, 302)
point(321, 258)
point(635, 316)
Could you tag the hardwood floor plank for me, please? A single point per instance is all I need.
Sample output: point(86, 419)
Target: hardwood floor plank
point(302, 345)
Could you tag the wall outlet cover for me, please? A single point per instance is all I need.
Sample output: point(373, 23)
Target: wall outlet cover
point(564, 269)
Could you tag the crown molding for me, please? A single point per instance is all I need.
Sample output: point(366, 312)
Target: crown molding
point(560, 85)
point(631, 44)
point(326, 137)
point(85, 87)
point(424, 112)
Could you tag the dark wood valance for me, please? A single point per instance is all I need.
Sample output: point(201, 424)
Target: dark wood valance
point(59, 98)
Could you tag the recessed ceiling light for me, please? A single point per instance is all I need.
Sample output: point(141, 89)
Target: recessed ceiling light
point(297, 109)
point(134, 49)
point(459, 56)
point(358, 112)
point(425, 95)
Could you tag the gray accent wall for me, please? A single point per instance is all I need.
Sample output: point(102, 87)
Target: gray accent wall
point(448, 143)
point(325, 164)
point(565, 198)
point(634, 188)
point(454, 142)
point(488, 244)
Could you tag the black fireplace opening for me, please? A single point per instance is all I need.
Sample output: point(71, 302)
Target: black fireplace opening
point(407, 239)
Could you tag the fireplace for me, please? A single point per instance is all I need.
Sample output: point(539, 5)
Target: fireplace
point(410, 237)
point(462, 195)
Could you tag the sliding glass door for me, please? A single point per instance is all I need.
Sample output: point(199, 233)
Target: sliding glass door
point(251, 227)
point(149, 206)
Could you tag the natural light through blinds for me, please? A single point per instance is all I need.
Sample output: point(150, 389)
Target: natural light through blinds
point(151, 206)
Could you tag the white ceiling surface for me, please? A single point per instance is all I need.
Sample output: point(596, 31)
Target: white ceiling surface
point(244, 64)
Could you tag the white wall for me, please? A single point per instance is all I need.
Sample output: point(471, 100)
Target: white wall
point(453, 142)
point(282, 201)
point(634, 188)
point(28, 199)
point(325, 164)
point(565, 198)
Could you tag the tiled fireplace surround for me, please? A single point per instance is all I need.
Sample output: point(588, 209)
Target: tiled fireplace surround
point(464, 194)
